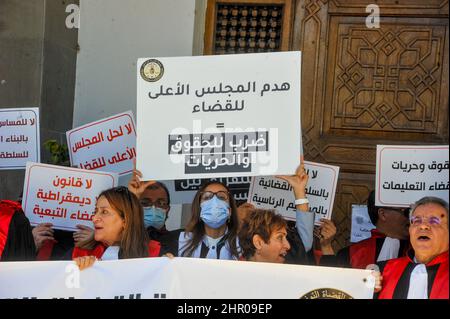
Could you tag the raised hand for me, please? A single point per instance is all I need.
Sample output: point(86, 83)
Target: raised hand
point(135, 185)
point(297, 181)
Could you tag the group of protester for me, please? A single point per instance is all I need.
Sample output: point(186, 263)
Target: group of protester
point(409, 246)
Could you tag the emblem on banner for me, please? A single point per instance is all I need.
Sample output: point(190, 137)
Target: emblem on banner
point(326, 293)
point(152, 70)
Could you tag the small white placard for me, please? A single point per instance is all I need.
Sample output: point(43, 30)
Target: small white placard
point(405, 174)
point(63, 196)
point(19, 137)
point(361, 224)
point(271, 192)
point(107, 145)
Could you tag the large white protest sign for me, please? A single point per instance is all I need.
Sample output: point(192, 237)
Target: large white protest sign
point(273, 193)
point(63, 196)
point(185, 278)
point(183, 191)
point(19, 137)
point(108, 145)
point(218, 116)
point(361, 224)
point(405, 174)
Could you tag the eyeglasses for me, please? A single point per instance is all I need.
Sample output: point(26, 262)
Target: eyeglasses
point(160, 203)
point(209, 195)
point(419, 220)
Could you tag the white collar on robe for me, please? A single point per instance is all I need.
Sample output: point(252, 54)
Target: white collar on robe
point(418, 282)
point(111, 253)
point(390, 249)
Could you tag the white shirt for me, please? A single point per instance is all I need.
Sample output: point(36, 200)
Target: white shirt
point(210, 242)
point(111, 253)
point(390, 249)
point(418, 282)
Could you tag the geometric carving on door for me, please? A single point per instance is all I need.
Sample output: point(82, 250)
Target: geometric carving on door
point(388, 79)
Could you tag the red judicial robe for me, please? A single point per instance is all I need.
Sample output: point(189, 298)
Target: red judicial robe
point(397, 272)
point(58, 249)
point(16, 238)
point(361, 254)
point(154, 248)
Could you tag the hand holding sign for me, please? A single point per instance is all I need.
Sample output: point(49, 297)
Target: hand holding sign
point(42, 233)
point(82, 236)
point(135, 185)
point(326, 233)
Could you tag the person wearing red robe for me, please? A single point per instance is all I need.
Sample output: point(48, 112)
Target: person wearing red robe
point(424, 272)
point(389, 240)
point(16, 239)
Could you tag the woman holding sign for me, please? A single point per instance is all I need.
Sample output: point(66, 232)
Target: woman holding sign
point(119, 230)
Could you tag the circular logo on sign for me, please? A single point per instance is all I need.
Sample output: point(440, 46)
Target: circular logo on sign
point(152, 70)
point(326, 293)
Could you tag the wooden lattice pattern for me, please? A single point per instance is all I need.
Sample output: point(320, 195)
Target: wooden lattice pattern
point(243, 28)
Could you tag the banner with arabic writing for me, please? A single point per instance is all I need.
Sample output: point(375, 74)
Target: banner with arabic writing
point(19, 137)
point(273, 193)
point(185, 278)
point(405, 174)
point(218, 116)
point(63, 196)
point(108, 145)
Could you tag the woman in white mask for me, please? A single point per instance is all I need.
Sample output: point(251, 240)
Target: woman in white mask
point(212, 231)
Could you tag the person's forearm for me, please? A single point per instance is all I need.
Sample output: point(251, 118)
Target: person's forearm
point(300, 193)
point(305, 227)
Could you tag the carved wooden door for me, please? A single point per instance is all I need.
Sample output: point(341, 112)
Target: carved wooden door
point(366, 86)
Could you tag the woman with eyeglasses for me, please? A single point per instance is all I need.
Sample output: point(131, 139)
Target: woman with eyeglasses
point(119, 230)
point(212, 231)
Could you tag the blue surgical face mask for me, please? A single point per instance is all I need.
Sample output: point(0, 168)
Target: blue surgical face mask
point(154, 216)
point(214, 212)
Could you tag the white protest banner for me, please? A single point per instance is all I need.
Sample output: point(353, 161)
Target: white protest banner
point(183, 191)
point(63, 196)
point(181, 278)
point(19, 137)
point(273, 193)
point(218, 116)
point(108, 144)
point(361, 224)
point(405, 174)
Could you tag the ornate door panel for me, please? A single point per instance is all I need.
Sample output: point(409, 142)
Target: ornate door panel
point(366, 86)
